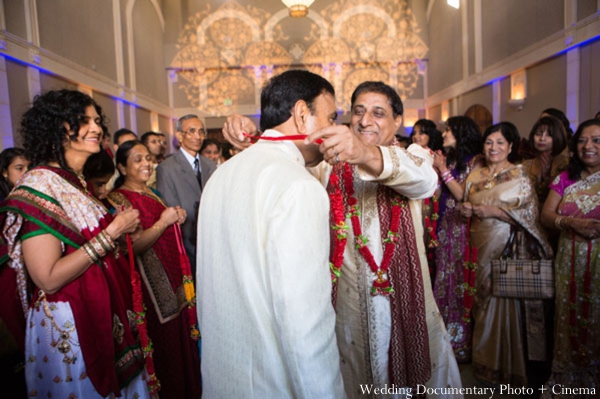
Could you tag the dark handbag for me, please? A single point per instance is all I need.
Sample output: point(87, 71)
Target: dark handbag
point(519, 274)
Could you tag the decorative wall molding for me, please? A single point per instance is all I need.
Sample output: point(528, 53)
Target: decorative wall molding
point(560, 42)
point(51, 63)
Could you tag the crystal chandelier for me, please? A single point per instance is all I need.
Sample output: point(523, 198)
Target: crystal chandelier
point(298, 8)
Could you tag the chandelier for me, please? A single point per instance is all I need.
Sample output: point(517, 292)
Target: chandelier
point(298, 8)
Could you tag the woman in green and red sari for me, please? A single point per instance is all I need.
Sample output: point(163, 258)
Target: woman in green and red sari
point(165, 270)
point(60, 265)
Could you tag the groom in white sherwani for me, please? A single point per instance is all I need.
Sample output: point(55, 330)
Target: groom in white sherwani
point(264, 288)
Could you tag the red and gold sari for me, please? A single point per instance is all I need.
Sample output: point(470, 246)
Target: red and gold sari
point(176, 355)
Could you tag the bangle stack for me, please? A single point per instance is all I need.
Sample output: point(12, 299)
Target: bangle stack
point(447, 177)
point(99, 246)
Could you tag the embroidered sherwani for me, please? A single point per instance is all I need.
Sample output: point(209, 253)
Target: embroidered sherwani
point(364, 322)
point(264, 290)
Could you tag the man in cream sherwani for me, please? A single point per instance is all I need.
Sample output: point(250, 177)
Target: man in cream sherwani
point(264, 290)
point(388, 342)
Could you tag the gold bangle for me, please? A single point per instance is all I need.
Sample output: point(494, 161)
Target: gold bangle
point(86, 254)
point(89, 251)
point(108, 238)
point(156, 227)
point(557, 222)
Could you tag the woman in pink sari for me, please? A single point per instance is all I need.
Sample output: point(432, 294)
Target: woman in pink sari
point(171, 320)
point(573, 207)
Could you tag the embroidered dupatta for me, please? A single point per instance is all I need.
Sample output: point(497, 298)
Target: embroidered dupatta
point(56, 203)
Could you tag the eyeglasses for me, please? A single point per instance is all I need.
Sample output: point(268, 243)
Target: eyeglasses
point(192, 131)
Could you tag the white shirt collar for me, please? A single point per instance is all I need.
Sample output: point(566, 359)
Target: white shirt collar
point(191, 159)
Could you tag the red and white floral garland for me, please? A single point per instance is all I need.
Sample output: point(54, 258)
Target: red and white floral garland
point(381, 285)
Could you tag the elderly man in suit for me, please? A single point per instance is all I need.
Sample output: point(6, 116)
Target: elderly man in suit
point(181, 177)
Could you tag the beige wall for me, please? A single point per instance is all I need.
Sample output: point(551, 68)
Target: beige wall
point(14, 16)
point(445, 51)
point(556, 42)
point(80, 31)
point(512, 25)
point(19, 98)
point(589, 99)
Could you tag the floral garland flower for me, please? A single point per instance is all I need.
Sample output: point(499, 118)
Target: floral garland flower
point(381, 284)
point(431, 204)
point(140, 316)
point(470, 265)
point(339, 227)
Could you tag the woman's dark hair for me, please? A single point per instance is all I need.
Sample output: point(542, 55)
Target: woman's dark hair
point(381, 88)
point(6, 158)
point(208, 142)
point(430, 129)
point(558, 114)
point(576, 165)
point(283, 91)
point(510, 133)
point(556, 130)
point(53, 118)
point(468, 141)
point(98, 165)
point(121, 158)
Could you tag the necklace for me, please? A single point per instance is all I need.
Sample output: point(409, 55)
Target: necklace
point(491, 178)
point(381, 284)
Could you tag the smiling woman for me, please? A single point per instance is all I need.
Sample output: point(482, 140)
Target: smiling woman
point(166, 273)
point(68, 283)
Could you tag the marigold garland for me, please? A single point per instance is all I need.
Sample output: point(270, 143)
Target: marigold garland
point(142, 325)
point(470, 265)
point(381, 284)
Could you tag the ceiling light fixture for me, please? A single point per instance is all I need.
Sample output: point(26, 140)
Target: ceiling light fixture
point(298, 8)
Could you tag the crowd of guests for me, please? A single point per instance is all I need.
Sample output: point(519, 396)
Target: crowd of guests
point(99, 249)
point(547, 186)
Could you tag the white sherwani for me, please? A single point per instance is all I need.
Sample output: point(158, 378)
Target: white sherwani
point(363, 321)
point(264, 288)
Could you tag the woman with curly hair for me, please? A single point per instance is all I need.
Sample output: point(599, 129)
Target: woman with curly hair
point(462, 149)
point(12, 164)
point(60, 265)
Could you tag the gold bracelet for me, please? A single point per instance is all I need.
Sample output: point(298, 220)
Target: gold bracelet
point(156, 227)
point(108, 238)
point(89, 250)
point(86, 254)
point(557, 222)
point(106, 242)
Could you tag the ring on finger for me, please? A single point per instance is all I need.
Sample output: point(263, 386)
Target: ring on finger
point(337, 158)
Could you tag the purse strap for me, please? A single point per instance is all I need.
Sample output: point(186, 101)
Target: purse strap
point(510, 251)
